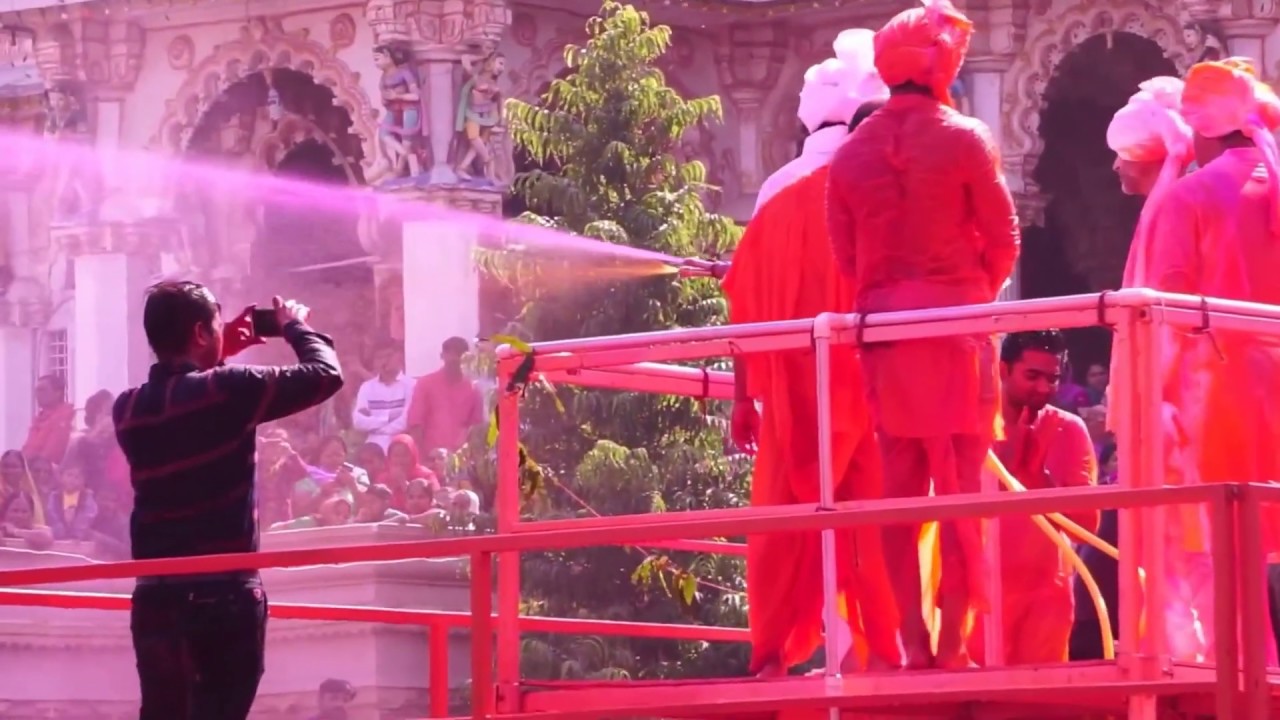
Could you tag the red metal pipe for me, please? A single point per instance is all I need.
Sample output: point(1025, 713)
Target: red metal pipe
point(482, 685)
point(398, 616)
point(725, 522)
point(438, 672)
point(1222, 526)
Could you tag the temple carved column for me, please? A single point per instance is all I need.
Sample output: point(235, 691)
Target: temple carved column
point(1002, 31)
point(749, 59)
point(439, 256)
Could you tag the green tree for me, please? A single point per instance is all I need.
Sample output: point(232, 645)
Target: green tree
point(607, 135)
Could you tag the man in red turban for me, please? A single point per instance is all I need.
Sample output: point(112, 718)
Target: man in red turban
point(920, 217)
point(783, 269)
point(1218, 235)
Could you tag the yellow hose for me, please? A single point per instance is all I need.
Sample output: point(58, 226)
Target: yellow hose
point(1104, 617)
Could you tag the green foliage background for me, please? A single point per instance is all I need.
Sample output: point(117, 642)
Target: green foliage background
point(606, 137)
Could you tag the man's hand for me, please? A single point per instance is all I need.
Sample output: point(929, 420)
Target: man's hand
point(237, 334)
point(346, 477)
point(744, 426)
point(1019, 434)
point(289, 310)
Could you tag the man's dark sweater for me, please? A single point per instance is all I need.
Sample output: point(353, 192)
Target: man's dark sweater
point(189, 437)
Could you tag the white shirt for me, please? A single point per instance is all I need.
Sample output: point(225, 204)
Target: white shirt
point(387, 405)
point(819, 149)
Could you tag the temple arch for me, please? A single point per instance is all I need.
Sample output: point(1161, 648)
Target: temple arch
point(1045, 51)
point(264, 45)
point(1088, 221)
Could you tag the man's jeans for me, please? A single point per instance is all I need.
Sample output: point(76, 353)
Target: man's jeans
point(199, 643)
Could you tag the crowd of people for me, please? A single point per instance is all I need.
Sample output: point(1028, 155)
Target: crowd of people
point(389, 456)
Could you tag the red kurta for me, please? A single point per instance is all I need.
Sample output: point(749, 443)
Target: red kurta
point(783, 270)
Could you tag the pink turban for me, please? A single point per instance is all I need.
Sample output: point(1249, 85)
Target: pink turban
point(925, 46)
point(1226, 96)
point(1149, 128)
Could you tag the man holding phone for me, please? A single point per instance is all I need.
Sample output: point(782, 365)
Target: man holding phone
point(188, 433)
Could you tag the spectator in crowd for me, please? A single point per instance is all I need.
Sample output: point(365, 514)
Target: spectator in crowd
point(330, 460)
point(1071, 395)
point(43, 473)
point(334, 510)
point(109, 530)
point(18, 522)
point(1096, 380)
point(375, 506)
point(437, 461)
point(50, 431)
point(463, 509)
point(15, 479)
point(383, 401)
point(71, 509)
point(446, 403)
point(403, 465)
point(95, 449)
point(422, 506)
point(372, 457)
point(284, 489)
point(332, 700)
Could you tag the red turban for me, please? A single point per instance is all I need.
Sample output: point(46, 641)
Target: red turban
point(924, 45)
point(1226, 96)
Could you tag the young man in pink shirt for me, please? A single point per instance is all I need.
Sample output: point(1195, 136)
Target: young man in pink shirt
point(446, 404)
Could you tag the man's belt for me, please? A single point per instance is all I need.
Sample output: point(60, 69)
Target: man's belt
point(237, 576)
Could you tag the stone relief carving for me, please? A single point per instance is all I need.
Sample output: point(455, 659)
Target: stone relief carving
point(73, 193)
point(181, 52)
point(480, 120)
point(1045, 49)
point(401, 130)
point(263, 44)
point(342, 32)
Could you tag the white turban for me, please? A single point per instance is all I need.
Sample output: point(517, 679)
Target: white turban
point(1150, 128)
point(835, 88)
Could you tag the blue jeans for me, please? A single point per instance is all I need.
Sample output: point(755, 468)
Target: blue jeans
point(199, 645)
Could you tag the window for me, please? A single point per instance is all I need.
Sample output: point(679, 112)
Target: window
point(57, 354)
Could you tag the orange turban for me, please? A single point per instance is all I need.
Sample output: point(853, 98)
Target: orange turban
point(1226, 96)
point(924, 45)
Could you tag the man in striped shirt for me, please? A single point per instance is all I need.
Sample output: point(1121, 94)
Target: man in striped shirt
point(188, 434)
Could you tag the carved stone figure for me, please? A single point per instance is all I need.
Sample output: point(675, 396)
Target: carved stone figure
point(66, 122)
point(1202, 40)
point(400, 134)
point(480, 112)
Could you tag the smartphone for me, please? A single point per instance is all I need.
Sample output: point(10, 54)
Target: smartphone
point(265, 323)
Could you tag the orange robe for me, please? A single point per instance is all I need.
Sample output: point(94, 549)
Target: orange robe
point(1215, 240)
point(1038, 605)
point(783, 270)
point(920, 217)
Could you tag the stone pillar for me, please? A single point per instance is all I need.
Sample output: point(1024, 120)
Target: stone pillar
point(749, 59)
point(442, 286)
point(113, 265)
point(18, 372)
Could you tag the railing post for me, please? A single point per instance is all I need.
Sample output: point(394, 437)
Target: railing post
point(508, 516)
point(1222, 528)
point(1253, 609)
point(833, 646)
point(482, 685)
point(438, 673)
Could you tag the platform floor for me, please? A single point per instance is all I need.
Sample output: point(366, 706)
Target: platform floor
point(1076, 690)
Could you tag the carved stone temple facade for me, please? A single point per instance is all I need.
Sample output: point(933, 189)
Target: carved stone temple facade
point(399, 98)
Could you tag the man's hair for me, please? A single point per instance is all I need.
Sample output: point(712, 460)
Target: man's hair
point(863, 112)
point(172, 308)
point(334, 686)
point(1015, 344)
point(455, 344)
